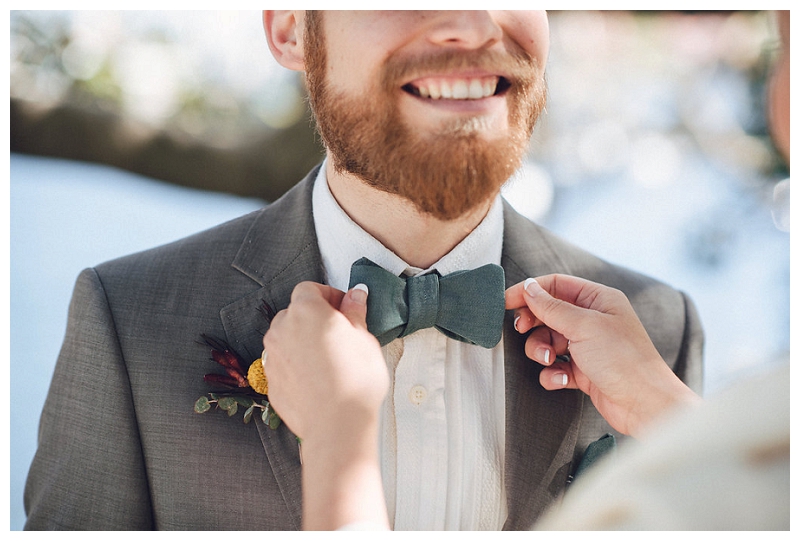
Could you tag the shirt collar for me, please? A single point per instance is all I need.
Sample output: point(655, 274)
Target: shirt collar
point(342, 241)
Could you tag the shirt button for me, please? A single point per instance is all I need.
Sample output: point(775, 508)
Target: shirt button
point(418, 394)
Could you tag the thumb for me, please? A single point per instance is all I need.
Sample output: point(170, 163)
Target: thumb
point(354, 306)
point(557, 314)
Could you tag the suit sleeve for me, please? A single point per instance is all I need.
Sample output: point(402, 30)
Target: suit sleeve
point(89, 472)
point(689, 364)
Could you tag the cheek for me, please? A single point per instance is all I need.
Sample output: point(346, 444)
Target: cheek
point(353, 71)
point(531, 31)
point(357, 47)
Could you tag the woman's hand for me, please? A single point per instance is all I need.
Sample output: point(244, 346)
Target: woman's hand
point(327, 381)
point(613, 359)
point(325, 370)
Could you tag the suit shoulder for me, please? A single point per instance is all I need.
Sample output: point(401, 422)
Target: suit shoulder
point(668, 315)
point(216, 248)
point(529, 246)
point(590, 266)
point(219, 242)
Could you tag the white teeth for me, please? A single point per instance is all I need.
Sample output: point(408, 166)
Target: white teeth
point(447, 92)
point(475, 90)
point(458, 89)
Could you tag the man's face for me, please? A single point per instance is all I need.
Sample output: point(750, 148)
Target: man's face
point(437, 107)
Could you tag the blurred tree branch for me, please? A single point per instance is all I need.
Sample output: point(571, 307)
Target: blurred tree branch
point(265, 167)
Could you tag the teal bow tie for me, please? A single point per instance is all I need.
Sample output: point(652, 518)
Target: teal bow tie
point(466, 305)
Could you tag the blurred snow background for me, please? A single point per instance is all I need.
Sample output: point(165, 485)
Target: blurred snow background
point(653, 154)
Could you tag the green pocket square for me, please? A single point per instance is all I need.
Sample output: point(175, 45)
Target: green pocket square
point(596, 450)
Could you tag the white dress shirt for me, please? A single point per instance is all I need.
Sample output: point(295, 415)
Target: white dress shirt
point(442, 437)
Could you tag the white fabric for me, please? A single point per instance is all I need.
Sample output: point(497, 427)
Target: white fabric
point(443, 424)
point(722, 465)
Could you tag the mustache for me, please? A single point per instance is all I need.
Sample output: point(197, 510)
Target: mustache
point(517, 67)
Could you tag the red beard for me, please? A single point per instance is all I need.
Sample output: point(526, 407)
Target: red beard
point(445, 174)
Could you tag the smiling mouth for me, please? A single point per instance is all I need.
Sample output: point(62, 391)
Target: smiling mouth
point(467, 88)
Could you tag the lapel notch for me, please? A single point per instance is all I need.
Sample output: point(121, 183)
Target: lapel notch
point(279, 251)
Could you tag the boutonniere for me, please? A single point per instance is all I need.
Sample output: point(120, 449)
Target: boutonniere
point(242, 387)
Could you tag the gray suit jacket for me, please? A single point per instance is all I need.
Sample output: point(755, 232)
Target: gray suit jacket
point(121, 448)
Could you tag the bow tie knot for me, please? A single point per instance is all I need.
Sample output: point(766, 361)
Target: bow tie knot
point(466, 305)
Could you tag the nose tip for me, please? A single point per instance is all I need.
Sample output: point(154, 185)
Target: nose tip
point(467, 29)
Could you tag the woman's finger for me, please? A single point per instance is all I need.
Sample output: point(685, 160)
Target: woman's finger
point(354, 306)
point(559, 376)
point(543, 345)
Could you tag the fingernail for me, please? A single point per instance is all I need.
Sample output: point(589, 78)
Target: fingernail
point(516, 320)
point(527, 286)
point(560, 379)
point(544, 353)
point(264, 359)
point(359, 293)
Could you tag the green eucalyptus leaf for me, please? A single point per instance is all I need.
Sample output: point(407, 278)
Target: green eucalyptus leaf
point(274, 420)
point(244, 401)
point(227, 402)
point(248, 414)
point(202, 405)
point(214, 396)
point(265, 416)
point(233, 409)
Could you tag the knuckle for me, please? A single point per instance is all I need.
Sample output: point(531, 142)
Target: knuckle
point(303, 290)
point(617, 295)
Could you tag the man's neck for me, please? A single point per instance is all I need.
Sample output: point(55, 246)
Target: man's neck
point(417, 238)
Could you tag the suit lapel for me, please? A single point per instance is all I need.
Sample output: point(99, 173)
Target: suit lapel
point(278, 252)
point(541, 426)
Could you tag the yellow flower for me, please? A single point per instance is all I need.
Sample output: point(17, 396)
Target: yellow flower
point(256, 378)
